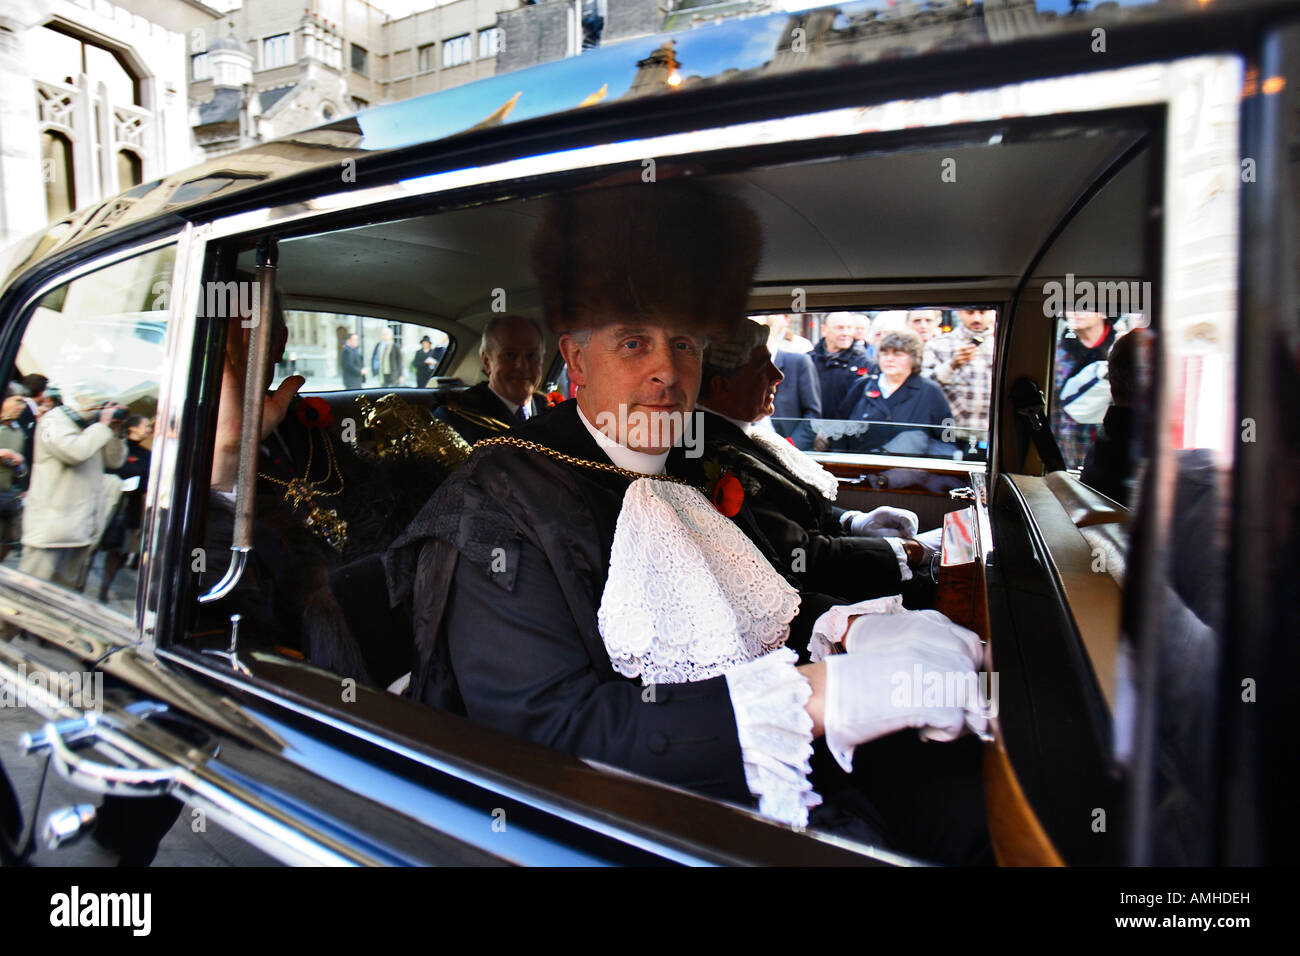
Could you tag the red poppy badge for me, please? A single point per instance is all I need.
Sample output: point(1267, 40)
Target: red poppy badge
point(728, 494)
point(314, 413)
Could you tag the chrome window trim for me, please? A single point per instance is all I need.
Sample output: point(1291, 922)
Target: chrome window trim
point(229, 677)
point(196, 779)
point(590, 821)
point(57, 615)
point(161, 520)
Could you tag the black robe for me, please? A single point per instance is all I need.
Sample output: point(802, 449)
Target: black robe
point(802, 528)
point(297, 591)
point(504, 570)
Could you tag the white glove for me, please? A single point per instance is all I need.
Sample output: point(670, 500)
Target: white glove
point(881, 523)
point(884, 683)
point(932, 540)
point(929, 628)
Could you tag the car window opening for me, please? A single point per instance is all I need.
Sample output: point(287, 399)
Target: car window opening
point(374, 408)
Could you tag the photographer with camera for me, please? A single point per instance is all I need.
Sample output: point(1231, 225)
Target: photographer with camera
point(70, 497)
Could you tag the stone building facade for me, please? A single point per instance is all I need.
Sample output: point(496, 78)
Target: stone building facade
point(92, 102)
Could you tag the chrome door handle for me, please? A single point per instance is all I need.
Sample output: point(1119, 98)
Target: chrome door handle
point(101, 777)
point(70, 731)
point(78, 728)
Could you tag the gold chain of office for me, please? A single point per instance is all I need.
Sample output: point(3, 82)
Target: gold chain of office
point(302, 492)
point(575, 460)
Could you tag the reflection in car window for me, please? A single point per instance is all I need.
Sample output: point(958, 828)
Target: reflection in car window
point(913, 383)
point(1081, 387)
point(334, 350)
point(76, 429)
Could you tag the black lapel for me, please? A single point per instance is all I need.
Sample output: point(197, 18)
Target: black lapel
point(720, 430)
point(906, 393)
point(485, 400)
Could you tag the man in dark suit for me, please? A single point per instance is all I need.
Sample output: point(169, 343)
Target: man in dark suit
point(425, 361)
point(351, 363)
point(35, 386)
point(799, 396)
point(511, 351)
point(791, 495)
point(559, 587)
point(386, 360)
point(840, 361)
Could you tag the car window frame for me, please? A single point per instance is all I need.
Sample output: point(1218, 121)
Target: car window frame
point(456, 187)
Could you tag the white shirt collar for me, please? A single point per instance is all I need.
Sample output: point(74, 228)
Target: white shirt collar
point(513, 406)
point(623, 456)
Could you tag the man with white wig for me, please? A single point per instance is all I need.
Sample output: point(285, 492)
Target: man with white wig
point(575, 584)
point(851, 555)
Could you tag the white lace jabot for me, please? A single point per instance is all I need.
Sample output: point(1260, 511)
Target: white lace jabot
point(689, 597)
point(802, 466)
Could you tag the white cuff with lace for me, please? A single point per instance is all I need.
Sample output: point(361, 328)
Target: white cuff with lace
point(689, 597)
point(904, 569)
point(769, 697)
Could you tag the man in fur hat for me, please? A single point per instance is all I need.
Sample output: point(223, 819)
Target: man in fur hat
point(571, 583)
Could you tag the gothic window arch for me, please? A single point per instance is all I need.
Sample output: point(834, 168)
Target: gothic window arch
point(130, 169)
point(57, 172)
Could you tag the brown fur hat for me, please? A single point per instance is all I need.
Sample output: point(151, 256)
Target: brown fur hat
point(663, 250)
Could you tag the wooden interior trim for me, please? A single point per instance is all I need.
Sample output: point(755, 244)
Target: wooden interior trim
point(939, 466)
point(1092, 595)
point(1085, 506)
point(858, 475)
point(1018, 837)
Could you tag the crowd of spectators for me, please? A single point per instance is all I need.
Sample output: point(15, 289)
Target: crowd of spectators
point(835, 395)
